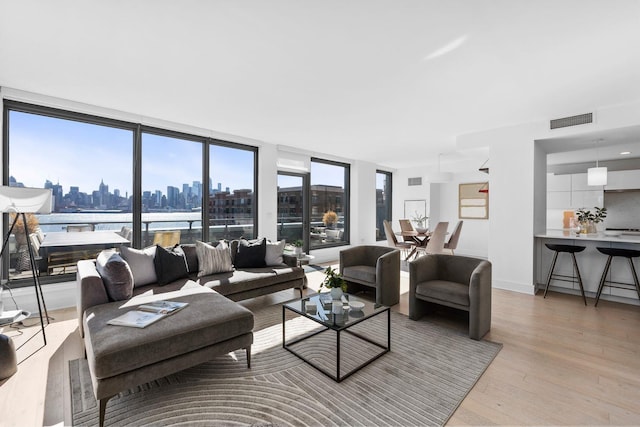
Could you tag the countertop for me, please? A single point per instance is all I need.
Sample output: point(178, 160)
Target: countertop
point(599, 237)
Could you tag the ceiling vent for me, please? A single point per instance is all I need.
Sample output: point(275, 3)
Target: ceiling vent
point(582, 119)
point(415, 181)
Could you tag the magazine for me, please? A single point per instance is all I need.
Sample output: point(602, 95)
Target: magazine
point(147, 314)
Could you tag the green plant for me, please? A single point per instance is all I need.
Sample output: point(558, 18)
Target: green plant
point(333, 279)
point(419, 219)
point(298, 243)
point(585, 215)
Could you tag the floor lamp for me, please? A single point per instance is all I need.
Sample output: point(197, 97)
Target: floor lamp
point(20, 201)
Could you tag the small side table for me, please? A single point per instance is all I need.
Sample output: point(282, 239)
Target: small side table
point(304, 260)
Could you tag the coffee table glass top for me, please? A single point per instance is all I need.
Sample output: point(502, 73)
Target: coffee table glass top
point(324, 315)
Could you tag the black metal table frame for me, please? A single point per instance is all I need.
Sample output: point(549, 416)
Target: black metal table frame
point(338, 378)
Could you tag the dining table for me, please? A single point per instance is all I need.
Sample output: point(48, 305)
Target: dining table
point(75, 244)
point(420, 238)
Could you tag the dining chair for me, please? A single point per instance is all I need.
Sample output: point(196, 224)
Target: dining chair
point(166, 239)
point(436, 240)
point(405, 225)
point(406, 247)
point(453, 240)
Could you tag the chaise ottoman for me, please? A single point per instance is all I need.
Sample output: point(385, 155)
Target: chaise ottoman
point(122, 357)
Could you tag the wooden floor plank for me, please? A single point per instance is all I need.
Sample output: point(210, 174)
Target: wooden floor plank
point(562, 363)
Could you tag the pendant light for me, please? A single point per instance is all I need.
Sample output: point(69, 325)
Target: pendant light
point(597, 175)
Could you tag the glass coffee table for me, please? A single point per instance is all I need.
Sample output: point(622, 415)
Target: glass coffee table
point(358, 341)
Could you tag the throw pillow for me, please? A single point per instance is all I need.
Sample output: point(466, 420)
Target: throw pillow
point(251, 255)
point(273, 255)
point(213, 259)
point(116, 275)
point(170, 265)
point(141, 263)
point(191, 256)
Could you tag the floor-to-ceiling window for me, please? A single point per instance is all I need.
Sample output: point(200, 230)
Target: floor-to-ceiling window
point(383, 202)
point(329, 210)
point(293, 209)
point(145, 184)
point(171, 189)
point(232, 184)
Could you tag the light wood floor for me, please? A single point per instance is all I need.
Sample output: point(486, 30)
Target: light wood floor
point(562, 364)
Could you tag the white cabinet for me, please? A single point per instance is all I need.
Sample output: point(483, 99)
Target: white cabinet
point(558, 199)
point(587, 199)
point(558, 182)
point(579, 183)
point(623, 180)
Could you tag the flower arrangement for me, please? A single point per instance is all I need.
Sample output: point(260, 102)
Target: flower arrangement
point(333, 279)
point(329, 218)
point(419, 219)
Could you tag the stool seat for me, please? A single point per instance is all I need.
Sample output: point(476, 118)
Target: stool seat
point(565, 248)
point(627, 253)
point(570, 249)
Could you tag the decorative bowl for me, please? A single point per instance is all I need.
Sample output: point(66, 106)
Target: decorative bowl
point(356, 305)
point(421, 230)
point(612, 233)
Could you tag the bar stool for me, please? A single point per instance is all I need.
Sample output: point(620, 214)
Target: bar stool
point(571, 249)
point(629, 254)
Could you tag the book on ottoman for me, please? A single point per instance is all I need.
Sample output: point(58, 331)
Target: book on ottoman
point(147, 314)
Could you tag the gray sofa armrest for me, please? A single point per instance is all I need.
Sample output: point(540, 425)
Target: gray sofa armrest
point(480, 300)
point(290, 260)
point(90, 289)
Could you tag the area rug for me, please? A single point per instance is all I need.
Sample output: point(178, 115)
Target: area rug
point(420, 382)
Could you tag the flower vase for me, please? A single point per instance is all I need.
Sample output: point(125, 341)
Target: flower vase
point(336, 293)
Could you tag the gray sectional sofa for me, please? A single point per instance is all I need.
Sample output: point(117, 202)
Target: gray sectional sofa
point(213, 323)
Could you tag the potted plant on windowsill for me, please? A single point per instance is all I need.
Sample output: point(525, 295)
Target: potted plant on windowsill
point(334, 281)
point(588, 220)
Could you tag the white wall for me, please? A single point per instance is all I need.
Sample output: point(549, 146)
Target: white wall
point(402, 191)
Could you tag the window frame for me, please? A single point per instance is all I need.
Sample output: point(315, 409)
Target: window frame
point(137, 129)
point(389, 200)
point(346, 203)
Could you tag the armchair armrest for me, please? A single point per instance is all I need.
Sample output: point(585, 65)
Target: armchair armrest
point(353, 256)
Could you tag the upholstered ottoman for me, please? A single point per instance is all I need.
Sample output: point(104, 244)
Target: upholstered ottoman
point(122, 357)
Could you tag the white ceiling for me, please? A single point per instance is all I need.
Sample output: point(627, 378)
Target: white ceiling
point(392, 82)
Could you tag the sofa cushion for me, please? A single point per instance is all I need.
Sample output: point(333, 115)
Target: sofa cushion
point(141, 263)
point(170, 265)
point(209, 318)
point(116, 275)
point(273, 253)
point(444, 290)
point(213, 259)
point(250, 254)
point(249, 279)
point(361, 273)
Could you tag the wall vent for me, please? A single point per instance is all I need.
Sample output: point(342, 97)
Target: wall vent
point(415, 181)
point(581, 119)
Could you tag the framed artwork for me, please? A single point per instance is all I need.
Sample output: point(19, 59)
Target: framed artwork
point(414, 209)
point(473, 200)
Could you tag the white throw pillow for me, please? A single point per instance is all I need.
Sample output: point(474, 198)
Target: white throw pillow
point(273, 255)
point(213, 260)
point(141, 263)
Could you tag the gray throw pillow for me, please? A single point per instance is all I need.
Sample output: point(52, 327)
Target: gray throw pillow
point(141, 263)
point(116, 275)
point(273, 255)
point(213, 260)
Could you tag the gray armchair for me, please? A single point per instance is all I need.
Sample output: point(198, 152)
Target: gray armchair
point(454, 281)
point(376, 267)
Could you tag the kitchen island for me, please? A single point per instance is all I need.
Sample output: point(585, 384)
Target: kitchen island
point(591, 263)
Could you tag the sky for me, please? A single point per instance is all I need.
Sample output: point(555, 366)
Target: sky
point(80, 154)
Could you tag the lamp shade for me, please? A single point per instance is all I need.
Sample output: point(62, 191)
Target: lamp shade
point(25, 200)
point(597, 176)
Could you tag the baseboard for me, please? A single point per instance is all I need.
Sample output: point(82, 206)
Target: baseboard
point(523, 288)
